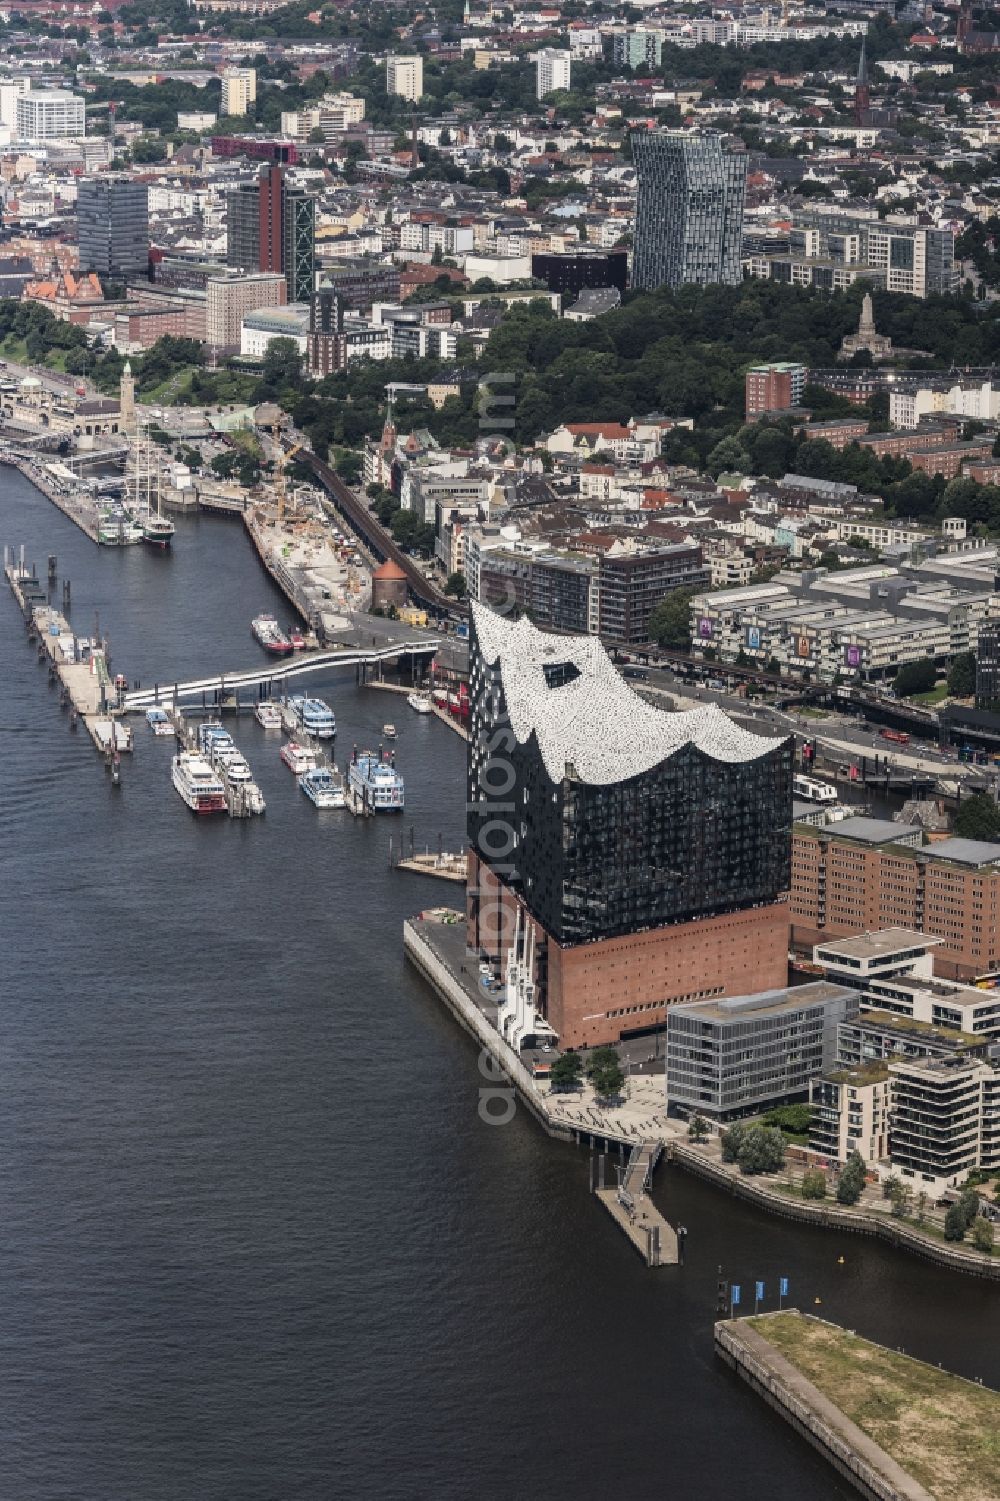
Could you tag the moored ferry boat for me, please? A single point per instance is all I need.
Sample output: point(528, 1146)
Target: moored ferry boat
point(268, 634)
point(811, 790)
point(374, 779)
point(420, 703)
point(297, 757)
point(197, 783)
point(323, 787)
point(159, 722)
point(268, 715)
point(313, 715)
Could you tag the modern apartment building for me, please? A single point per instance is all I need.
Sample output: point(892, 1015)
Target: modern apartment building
point(113, 225)
point(844, 883)
point(239, 90)
point(272, 227)
point(49, 114)
point(832, 248)
point(552, 71)
point(737, 1055)
point(851, 1108)
point(945, 1119)
point(637, 45)
point(404, 76)
point(647, 851)
point(633, 581)
point(689, 210)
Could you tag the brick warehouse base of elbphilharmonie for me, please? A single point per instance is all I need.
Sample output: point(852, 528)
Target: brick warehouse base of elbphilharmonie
point(648, 852)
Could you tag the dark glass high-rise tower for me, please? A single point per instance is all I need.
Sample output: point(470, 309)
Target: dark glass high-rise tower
point(689, 213)
point(272, 227)
point(113, 226)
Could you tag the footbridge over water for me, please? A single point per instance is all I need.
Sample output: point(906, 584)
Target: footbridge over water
point(263, 678)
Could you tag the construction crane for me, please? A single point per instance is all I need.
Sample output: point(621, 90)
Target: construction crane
point(284, 455)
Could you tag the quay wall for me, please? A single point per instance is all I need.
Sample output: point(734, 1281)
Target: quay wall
point(835, 1216)
point(842, 1443)
point(472, 1020)
point(62, 503)
point(277, 571)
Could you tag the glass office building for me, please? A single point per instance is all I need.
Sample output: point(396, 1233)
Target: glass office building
point(689, 211)
point(272, 227)
point(113, 226)
point(607, 816)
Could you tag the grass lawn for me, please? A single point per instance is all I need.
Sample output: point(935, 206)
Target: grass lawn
point(933, 697)
point(945, 1432)
point(14, 349)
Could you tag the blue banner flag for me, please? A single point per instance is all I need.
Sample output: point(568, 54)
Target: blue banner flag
point(760, 1292)
point(734, 1294)
point(783, 1287)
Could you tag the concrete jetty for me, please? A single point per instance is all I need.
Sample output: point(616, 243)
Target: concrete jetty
point(634, 1212)
point(896, 1428)
point(78, 507)
point(79, 663)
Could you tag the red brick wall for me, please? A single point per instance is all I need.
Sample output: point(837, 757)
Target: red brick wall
point(594, 992)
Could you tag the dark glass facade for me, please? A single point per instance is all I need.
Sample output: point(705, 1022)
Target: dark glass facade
point(691, 837)
point(988, 667)
point(575, 270)
point(113, 225)
point(689, 209)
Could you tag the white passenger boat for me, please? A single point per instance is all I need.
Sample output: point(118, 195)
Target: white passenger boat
point(159, 722)
point(313, 715)
point(199, 786)
point(323, 787)
point(389, 731)
point(811, 790)
point(297, 757)
point(376, 782)
point(419, 703)
point(268, 715)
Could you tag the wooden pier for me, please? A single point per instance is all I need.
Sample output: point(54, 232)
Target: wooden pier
point(634, 1211)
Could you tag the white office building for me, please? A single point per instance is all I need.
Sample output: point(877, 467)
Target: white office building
point(405, 76)
point(49, 115)
point(239, 90)
point(552, 71)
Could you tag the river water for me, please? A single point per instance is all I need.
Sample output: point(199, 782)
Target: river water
point(255, 1242)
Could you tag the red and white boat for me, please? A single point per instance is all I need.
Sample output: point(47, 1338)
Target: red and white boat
point(198, 784)
point(297, 639)
point(268, 634)
point(298, 758)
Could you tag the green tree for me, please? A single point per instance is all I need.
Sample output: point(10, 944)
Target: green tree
point(282, 364)
point(954, 1223)
point(793, 1119)
point(915, 677)
point(456, 585)
point(900, 1200)
point(978, 817)
point(697, 1128)
point(982, 1235)
point(962, 675)
point(762, 1150)
point(567, 1070)
point(670, 621)
point(814, 1184)
point(605, 1073)
point(852, 1179)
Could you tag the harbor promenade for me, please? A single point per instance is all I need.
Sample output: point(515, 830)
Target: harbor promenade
point(435, 942)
